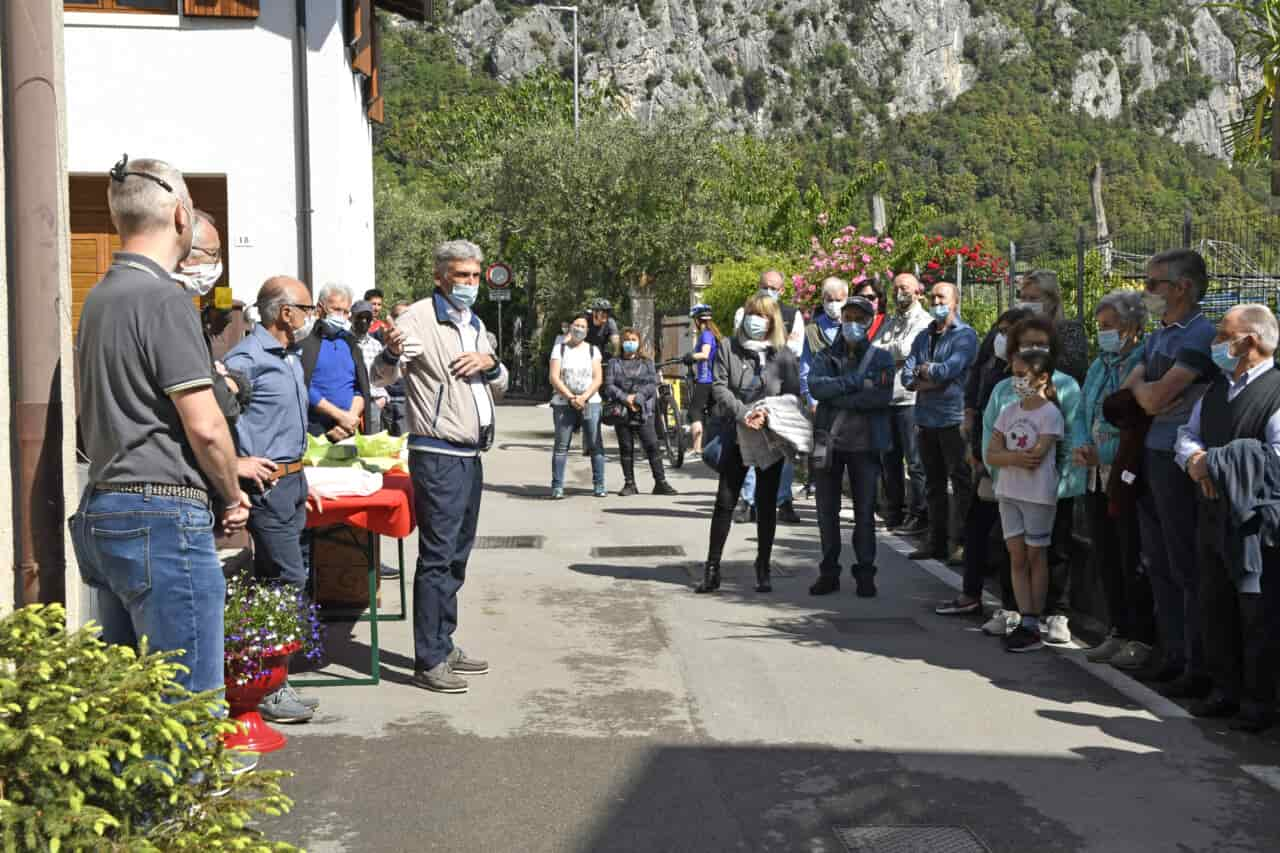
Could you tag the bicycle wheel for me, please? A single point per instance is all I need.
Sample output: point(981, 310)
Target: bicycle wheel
point(673, 431)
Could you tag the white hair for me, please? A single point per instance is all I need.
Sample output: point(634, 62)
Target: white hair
point(1257, 320)
point(456, 250)
point(1130, 310)
point(833, 286)
point(138, 204)
point(334, 289)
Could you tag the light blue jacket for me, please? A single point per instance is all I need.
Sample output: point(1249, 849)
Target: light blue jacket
point(951, 361)
point(1106, 374)
point(1072, 479)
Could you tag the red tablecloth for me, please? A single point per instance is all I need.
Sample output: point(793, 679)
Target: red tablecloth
point(387, 512)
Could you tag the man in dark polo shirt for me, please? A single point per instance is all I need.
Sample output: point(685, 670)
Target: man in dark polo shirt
point(162, 466)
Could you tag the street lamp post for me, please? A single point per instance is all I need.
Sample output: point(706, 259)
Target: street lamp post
point(574, 10)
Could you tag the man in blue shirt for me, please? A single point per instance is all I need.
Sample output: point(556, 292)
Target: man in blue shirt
point(334, 369)
point(271, 436)
point(936, 370)
point(1173, 375)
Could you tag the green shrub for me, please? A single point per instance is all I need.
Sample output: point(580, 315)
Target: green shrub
point(100, 750)
point(734, 281)
point(755, 88)
point(723, 66)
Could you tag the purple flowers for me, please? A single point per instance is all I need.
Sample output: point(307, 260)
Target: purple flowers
point(263, 620)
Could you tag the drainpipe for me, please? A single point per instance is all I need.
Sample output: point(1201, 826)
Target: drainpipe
point(302, 140)
point(38, 258)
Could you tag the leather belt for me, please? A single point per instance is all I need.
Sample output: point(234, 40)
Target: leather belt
point(284, 469)
point(164, 490)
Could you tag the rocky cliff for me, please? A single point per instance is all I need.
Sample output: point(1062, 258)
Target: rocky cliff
point(858, 64)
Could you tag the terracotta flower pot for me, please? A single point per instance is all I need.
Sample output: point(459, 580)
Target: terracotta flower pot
point(253, 732)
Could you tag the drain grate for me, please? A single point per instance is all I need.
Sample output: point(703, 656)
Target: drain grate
point(639, 551)
point(499, 543)
point(887, 625)
point(910, 839)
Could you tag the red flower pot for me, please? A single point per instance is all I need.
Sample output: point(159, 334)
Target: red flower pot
point(253, 733)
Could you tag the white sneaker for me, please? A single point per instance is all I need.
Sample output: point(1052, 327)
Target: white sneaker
point(1002, 622)
point(1057, 631)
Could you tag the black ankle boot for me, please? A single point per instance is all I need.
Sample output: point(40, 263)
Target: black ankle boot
point(710, 578)
point(762, 578)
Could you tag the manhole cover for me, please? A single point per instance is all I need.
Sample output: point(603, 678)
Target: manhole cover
point(910, 839)
point(639, 551)
point(887, 625)
point(496, 543)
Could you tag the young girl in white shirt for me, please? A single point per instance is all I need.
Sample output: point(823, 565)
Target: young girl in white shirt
point(1023, 447)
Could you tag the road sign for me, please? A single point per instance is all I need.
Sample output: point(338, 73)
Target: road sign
point(499, 295)
point(499, 276)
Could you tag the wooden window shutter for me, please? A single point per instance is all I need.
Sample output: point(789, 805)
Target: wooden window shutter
point(362, 37)
point(373, 85)
point(220, 8)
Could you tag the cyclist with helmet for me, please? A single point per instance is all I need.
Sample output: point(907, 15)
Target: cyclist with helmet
point(702, 360)
point(602, 329)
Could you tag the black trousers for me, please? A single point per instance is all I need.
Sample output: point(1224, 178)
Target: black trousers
point(982, 517)
point(1116, 558)
point(732, 473)
point(627, 434)
point(943, 452)
point(1233, 624)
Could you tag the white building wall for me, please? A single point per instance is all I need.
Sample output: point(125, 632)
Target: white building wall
point(215, 96)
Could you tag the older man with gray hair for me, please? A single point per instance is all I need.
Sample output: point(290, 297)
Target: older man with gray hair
point(451, 375)
point(1229, 447)
point(334, 368)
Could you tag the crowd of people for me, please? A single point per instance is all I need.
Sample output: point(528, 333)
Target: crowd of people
point(1170, 437)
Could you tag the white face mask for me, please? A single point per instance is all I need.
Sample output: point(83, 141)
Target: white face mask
point(304, 331)
point(1002, 346)
point(1033, 307)
point(833, 309)
point(342, 325)
point(756, 327)
point(1023, 388)
point(199, 278)
point(1156, 304)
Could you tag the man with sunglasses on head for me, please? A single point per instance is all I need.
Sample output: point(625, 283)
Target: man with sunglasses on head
point(162, 465)
point(1174, 373)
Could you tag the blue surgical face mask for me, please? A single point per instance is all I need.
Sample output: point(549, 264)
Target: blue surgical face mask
point(465, 294)
point(941, 313)
point(1223, 358)
point(767, 293)
point(755, 326)
point(630, 347)
point(1109, 340)
point(853, 332)
point(340, 323)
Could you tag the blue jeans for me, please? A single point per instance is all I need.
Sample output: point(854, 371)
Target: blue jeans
point(899, 500)
point(276, 522)
point(784, 484)
point(446, 501)
point(1168, 516)
point(157, 575)
point(567, 421)
point(864, 475)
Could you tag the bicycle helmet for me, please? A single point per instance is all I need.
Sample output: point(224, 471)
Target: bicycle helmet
point(602, 305)
point(702, 309)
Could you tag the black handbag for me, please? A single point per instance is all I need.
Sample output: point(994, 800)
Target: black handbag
point(613, 413)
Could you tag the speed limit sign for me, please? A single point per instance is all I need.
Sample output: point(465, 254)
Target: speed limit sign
point(499, 276)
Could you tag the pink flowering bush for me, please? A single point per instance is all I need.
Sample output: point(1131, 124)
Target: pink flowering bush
point(845, 254)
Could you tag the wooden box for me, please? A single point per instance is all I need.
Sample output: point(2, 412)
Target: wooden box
point(341, 565)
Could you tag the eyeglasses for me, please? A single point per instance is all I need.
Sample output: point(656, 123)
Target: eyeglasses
point(1152, 283)
point(120, 171)
point(301, 306)
point(216, 254)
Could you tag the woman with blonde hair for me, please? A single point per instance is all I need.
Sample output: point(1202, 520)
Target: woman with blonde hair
point(756, 364)
point(631, 382)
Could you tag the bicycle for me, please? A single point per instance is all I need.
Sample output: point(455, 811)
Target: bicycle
point(669, 418)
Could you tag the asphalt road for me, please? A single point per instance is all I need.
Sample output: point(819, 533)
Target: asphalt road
point(625, 713)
